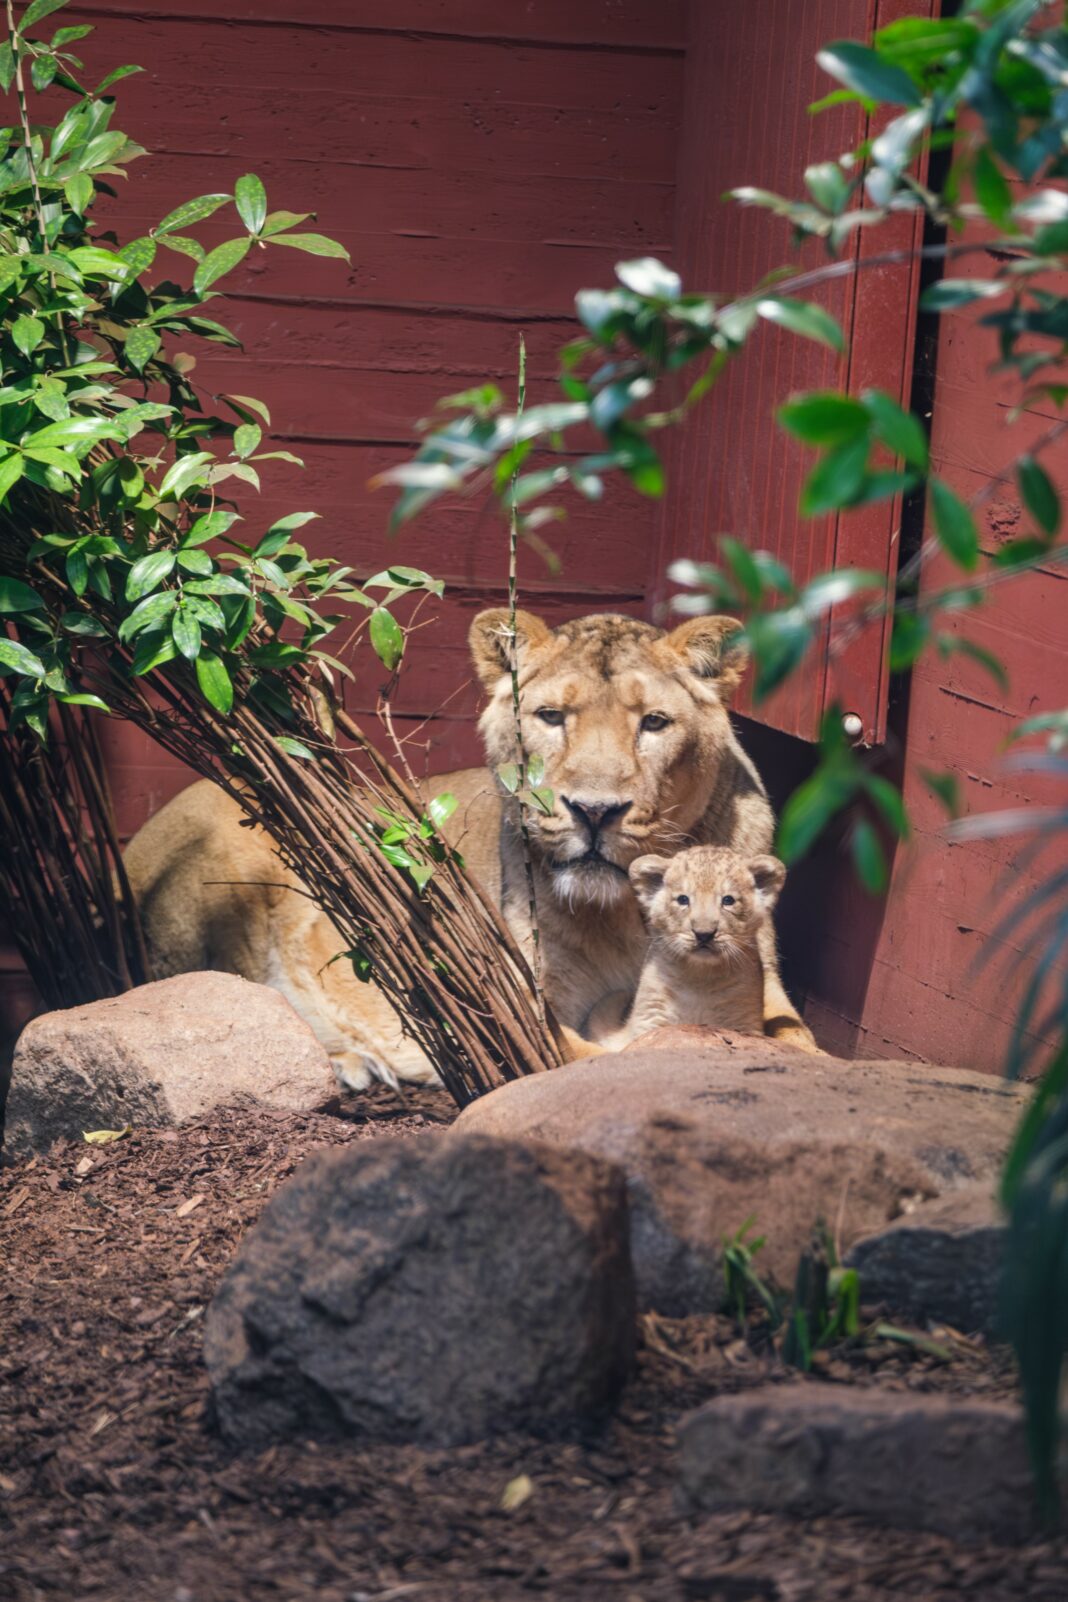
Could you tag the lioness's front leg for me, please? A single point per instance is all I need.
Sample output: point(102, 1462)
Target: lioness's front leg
point(781, 1019)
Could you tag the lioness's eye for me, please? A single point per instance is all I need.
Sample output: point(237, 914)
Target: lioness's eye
point(552, 715)
point(652, 721)
point(728, 901)
point(683, 901)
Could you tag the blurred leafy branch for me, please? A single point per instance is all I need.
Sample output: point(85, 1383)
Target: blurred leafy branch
point(987, 91)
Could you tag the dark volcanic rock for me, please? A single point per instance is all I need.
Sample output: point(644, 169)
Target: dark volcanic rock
point(435, 1290)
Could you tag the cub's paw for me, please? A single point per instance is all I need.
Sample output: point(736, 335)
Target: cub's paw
point(792, 1032)
point(358, 1070)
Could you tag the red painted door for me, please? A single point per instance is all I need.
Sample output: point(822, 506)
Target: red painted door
point(751, 75)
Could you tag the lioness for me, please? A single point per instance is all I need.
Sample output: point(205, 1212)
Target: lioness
point(705, 910)
point(631, 723)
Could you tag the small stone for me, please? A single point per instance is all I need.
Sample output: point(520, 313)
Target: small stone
point(940, 1263)
point(713, 1130)
point(162, 1054)
point(434, 1290)
point(920, 1461)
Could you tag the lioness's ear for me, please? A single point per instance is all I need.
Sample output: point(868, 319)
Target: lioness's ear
point(769, 876)
point(488, 640)
point(647, 876)
point(704, 643)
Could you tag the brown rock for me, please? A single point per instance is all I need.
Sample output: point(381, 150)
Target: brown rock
point(161, 1054)
point(711, 1135)
point(940, 1262)
point(432, 1290)
point(921, 1461)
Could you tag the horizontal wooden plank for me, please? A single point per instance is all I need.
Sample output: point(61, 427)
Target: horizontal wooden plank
point(346, 64)
point(604, 24)
point(487, 135)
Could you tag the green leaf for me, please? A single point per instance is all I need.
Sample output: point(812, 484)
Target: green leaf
point(387, 638)
point(508, 773)
point(824, 417)
point(246, 439)
point(115, 76)
point(223, 259)
point(37, 10)
point(946, 787)
point(184, 473)
point(193, 211)
point(11, 470)
point(81, 699)
point(909, 637)
point(209, 527)
point(16, 656)
point(835, 480)
point(7, 66)
point(869, 858)
point(43, 70)
point(991, 188)
point(802, 317)
point(949, 293)
point(83, 431)
point(887, 797)
point(148, 573)
point(650, 278)
point(97, 263)
point(313, 244)
point(151, 610)
point(1039, 495)
point(18, 597)
point(10, 271)
point(79, 191)
point(808, 812)
point(954, 525)
point(184, 245)
point(153, 649)
point(141, 345)
point(868, 73)
point(215, 683)
point(441, 807)
point(185, 631)
point(950, 644)
point(898, 430)
point(251, 198)
point(294, 748)
point(138, 255)
point(27, 333)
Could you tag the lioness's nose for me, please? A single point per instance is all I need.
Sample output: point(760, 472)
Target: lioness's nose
point(705, 937)
point(596, 815)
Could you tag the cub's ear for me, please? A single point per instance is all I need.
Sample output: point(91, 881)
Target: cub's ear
point(647, 876)
point(704, 643)
point(488, 640)
point(769, 876)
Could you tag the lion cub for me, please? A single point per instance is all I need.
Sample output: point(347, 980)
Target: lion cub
point(704, 910)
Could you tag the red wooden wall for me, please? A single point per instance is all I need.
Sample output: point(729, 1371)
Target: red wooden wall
point(481, 162)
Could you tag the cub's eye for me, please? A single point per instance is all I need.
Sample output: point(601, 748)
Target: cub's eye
point(728, 901)
point(552, 715)
point(682, 901)
point(652, 722)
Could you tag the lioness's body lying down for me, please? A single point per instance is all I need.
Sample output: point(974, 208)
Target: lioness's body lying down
point(632, 727)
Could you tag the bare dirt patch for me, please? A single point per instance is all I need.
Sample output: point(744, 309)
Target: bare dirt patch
point(114, 1483)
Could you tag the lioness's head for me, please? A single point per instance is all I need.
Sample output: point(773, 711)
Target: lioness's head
point(708, 904)
point(631, 724)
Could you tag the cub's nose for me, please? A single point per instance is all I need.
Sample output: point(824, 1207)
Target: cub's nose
point(705, 937)
point(596, 815)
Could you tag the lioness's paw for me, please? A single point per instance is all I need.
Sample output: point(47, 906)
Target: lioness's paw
point(792, 1032)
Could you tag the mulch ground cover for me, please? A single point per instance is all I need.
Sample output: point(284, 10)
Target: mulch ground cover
point(115, 1485)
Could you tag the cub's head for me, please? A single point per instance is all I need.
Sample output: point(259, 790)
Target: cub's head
point(707, 904)
point(631, 725)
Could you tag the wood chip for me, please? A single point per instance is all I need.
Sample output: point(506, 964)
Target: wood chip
point(189, 1206)
point(16, 1201)
point(84, 1167)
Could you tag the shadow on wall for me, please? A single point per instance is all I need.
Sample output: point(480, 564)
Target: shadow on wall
point(822, 908)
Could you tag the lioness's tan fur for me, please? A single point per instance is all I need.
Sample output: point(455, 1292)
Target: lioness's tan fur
point(214, 894)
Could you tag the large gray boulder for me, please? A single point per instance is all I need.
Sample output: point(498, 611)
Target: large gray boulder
point(712, 1133)
point(925, 1462)
point(435, 1290)
point(161, 1054)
